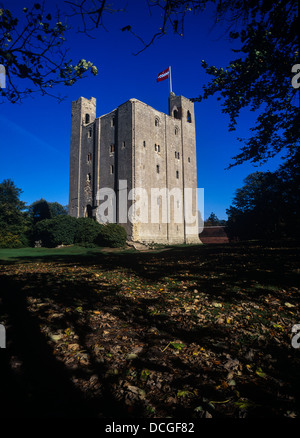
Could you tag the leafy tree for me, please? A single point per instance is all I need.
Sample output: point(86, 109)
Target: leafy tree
point(11, 207)
point(13, 224)
point(267, 205)
point(57, 209)
point(260, 77)
point(87, 231)
point(39, 210)
point(213, 220)
point(34, 53)
point(56, 231)
point(42, 209)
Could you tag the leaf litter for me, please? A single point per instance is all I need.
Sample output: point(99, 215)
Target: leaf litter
point(175, 336)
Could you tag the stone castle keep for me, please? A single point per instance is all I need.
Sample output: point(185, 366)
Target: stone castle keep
point(136, 147)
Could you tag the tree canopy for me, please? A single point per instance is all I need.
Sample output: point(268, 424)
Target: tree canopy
point(34, 53)
point(42, 209)
point(213, 220)
point(259, 78)
point(268, 204)
point(11, 207)
point(13, 223)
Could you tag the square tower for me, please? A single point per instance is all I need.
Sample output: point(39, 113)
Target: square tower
point(142, 157)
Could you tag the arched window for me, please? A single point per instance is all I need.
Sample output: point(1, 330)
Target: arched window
point(189, 117)
point(176, 130)
point(156, 121)
point(87, 118)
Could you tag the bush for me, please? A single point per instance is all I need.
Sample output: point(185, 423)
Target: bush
point(57, 231)
point(10, 240)
point(112, 235)
point(87, 231)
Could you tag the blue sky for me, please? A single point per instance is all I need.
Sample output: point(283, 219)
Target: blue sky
point(35, 135)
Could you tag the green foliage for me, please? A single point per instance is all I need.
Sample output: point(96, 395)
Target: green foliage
point(112, 235)
point(57, 231)
point(39, 210)
point(10, 204)
point(260, 76)
point(42, 209)
point(13, 223)
point(32, 49)
point(10, 240)
point(213, 220)
point(67, 230)
point(267, 206)
point(87, 231)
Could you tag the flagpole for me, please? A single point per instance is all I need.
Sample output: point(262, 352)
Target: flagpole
point(170, 80)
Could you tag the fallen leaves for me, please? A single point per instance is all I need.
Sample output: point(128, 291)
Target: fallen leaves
point(170, 336)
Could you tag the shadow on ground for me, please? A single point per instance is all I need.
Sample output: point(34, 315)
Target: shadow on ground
point(37, 382)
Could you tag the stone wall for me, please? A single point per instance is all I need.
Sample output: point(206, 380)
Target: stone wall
point(135, 146)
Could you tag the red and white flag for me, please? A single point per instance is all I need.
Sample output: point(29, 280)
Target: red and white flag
point(163, 75)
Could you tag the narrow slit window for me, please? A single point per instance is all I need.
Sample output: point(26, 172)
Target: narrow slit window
point(112, 122)
point(89, 133)
point(157, 168)
point(89, 157)
point(89, 177)
point(189, 117)
point(156, 121)
point(112, 148)
point(158, 148)
point(155, 147)
point(144, 143)
point(123, 144)
point(111, 169)
point(189, 159)
point(177, 174)
point(87, 118)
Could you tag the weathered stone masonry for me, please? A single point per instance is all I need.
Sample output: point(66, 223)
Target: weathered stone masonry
point(140, 145)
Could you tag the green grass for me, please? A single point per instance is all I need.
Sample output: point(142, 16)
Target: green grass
point(21, 254)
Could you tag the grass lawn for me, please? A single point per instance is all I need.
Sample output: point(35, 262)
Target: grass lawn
point(186, 331)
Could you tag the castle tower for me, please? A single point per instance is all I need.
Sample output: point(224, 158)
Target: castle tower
point(81, 190)
point(146, 158)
